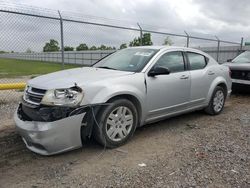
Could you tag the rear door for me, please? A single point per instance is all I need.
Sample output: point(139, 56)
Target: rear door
point(202, 76)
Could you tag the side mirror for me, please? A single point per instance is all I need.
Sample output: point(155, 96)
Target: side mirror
point(229, 60)
point(158, 71)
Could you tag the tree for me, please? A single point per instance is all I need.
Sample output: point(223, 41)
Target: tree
point(82, 47)
point(102, 47)
point(51, 46)
point(93, 48)
point(168, 42)
point(110, 48)
point(122, 46)
point(135, 42)
point(146, 40)
point(68, 48)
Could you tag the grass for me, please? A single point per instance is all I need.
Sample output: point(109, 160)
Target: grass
point(11, 68)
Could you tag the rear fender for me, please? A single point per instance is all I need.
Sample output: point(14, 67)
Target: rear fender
point(216, 82)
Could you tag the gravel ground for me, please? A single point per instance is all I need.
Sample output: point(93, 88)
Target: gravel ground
point(9, 100)
point(192, 150)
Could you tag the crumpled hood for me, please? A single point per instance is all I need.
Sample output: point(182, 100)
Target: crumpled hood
point(70, 77)
point(238, 66)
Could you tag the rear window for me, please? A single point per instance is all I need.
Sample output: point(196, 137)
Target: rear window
point(196, 61)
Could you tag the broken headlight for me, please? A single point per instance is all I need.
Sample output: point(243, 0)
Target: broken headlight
point(63, 97)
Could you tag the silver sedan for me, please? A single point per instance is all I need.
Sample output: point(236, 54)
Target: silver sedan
point(125, 90)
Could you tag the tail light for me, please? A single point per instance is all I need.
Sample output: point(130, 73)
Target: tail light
point(230, 73)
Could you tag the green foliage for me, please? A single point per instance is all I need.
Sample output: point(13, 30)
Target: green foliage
point(135, 42)
point(15, 68)
point(82, 47)
point(93, 48)
point(146, 40)
point(103, 47)
point(2, 52)
point(68, 48)
point(51, 46)
point(122, 46)
point(168, 42)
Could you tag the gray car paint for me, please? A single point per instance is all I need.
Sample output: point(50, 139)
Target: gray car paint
point(239, 67)
point(56, 137)
point(159, 97)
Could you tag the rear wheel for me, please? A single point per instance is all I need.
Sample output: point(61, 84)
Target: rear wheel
point(116, 123)
point(217, 101)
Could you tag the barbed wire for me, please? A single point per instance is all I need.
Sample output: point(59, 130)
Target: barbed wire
point(109, 22)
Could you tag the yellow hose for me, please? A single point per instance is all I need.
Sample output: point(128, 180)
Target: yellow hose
point(12, 86)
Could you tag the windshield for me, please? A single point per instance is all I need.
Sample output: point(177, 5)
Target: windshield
point(130, 59)
point(242, 58)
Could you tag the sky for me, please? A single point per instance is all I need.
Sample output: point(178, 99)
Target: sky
point(226, 19)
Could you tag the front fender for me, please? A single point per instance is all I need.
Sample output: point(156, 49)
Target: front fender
point(109, 92)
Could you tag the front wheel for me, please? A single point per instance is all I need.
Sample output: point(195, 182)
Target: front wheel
point(217, 101)
point(116, 123)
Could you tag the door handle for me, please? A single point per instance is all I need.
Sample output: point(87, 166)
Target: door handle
point(184, 77)
point(211, 73)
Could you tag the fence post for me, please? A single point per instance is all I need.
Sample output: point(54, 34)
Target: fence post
point(140, 33)
point(218, 49)
point(187, 38)
point(62, 42)
point(241, 44)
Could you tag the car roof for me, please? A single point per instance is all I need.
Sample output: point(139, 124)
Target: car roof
point(163, 47)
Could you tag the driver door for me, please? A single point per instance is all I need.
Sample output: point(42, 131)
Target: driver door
point(169, 93)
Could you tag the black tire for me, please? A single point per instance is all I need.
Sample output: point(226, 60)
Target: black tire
point(100, 130)
point(211, 108)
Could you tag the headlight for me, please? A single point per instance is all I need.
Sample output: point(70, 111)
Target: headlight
point(63, 97)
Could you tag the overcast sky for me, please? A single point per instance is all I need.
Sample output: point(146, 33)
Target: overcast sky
point(227, 19)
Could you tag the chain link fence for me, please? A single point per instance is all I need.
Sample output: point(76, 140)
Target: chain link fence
point(35, 41)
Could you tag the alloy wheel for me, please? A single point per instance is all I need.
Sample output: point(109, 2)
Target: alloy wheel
point(218, 101)
point(119, 123)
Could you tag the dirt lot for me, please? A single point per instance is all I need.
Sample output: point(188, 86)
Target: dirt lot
point(192, 150)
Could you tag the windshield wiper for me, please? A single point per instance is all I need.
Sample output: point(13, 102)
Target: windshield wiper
point(105, 67)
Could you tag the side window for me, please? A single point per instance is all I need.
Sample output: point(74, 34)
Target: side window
point(196, 61)
point(173, 61)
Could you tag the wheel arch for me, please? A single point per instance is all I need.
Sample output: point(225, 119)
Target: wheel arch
point(219, 81)
point(132, 99)
point(224, 86)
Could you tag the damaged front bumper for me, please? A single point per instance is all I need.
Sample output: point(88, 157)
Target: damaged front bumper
point(51, 137)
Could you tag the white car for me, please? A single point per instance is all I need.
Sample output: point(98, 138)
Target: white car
point(127, 89)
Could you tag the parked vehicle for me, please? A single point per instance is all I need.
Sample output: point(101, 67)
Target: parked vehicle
point(127, 89)
point(240, 68)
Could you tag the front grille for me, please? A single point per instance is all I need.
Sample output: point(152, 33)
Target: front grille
point(34, 95)
point(240, 74)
